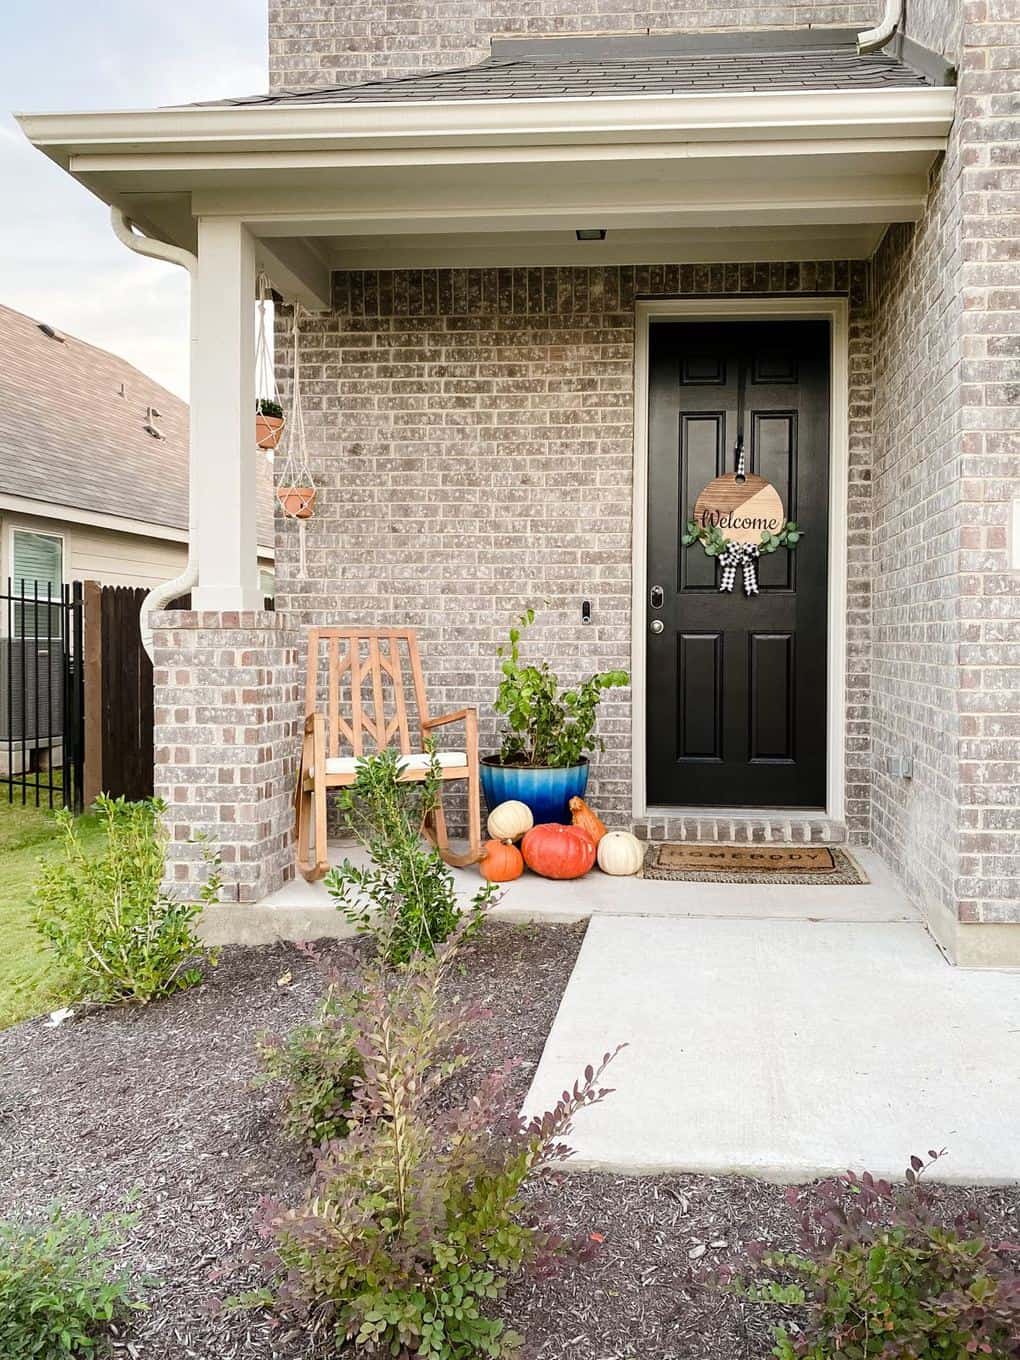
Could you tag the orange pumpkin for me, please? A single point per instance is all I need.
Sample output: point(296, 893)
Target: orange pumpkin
point(501, 862)
point(581, 815)
point(556, 851)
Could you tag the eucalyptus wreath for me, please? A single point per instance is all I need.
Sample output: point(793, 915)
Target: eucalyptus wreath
point(742, 557)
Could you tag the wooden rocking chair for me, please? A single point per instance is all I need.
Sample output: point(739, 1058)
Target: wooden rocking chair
point(359, 675)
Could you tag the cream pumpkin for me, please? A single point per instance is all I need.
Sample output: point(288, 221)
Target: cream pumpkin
point(620, 853)
point(510, 821)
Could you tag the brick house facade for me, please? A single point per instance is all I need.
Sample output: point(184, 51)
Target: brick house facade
point(472, 432)
point(933, 634)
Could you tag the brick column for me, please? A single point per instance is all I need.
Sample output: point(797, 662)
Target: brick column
point(227, 718)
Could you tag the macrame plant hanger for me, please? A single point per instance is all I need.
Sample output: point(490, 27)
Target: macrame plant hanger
point(295, 489)
point(269, 424)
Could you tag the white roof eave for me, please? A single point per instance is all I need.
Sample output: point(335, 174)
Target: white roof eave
point(760, 116)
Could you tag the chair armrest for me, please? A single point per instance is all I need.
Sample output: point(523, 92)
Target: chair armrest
point(462, 715)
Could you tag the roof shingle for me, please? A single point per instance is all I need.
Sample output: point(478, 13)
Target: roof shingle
point(609, 67)
point(74, 433)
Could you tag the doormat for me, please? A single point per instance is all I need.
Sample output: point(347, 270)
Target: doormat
point(807, 864)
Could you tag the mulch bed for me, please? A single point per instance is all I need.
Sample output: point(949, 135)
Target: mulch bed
point(154, 1110)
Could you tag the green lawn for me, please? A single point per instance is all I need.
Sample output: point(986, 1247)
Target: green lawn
point(29, 983)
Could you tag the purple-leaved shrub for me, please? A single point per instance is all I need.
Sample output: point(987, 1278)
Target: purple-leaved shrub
point(882, 1270)
point(418, 1218)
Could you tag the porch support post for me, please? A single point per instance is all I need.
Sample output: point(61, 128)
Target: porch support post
point(224, 455)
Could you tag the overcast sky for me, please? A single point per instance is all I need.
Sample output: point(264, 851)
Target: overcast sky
point(59, 260)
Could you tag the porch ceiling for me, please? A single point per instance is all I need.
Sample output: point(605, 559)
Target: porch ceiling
point(691, 176)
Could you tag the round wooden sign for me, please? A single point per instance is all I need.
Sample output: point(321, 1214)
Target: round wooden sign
point(741, 510)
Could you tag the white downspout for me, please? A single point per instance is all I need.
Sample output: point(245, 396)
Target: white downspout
point(188, 579)
point(874, 38)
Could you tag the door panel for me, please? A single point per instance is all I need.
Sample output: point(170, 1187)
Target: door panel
point(699, 696)
point(736, 686)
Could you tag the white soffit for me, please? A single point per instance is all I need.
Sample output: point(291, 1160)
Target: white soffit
point(680, 165)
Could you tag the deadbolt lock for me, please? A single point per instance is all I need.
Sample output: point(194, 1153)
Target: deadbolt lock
point(657, 626)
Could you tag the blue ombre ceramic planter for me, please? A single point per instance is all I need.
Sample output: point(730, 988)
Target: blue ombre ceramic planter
point(546, 790)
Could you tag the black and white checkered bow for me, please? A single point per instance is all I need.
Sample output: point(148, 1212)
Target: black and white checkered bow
point(744, 556)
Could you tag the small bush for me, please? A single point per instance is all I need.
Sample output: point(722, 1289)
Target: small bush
point(416, 1222)
point(59, 1291)
point(406, 901)
point(315, 1065)
point(880, 1272)
point(117, 937)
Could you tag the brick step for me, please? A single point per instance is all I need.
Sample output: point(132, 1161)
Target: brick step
point(741, 828)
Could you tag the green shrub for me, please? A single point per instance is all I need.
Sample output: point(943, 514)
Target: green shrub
point(416, 1222)
point(58, 1289)
point(115, 934)
point(315, 1065)
point(406, 901)
point(879, 1271)
point(546, 725)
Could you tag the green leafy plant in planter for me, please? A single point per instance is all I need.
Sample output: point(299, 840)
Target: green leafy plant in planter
point(546, 735)
point(265, 406)
point(59, 1288)
point(880, 1271)
point(416, 1221)
point(117, 936)
point(545, 724)
point(405, 901)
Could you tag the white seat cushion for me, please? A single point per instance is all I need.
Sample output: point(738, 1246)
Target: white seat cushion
point(449, 760)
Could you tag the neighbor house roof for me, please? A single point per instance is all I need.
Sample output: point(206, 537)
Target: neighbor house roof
point(692, 63)
point(85, 430)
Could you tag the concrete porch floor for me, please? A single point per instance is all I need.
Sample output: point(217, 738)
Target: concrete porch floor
point(305, 911)
point(786, 1032)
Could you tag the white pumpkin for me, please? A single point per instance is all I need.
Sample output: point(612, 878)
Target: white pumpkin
point(620, 853)
point(510, 821)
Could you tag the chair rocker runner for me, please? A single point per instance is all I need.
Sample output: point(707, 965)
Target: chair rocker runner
point(355, 691)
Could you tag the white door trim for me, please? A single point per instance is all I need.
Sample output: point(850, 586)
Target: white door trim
point(835, 310)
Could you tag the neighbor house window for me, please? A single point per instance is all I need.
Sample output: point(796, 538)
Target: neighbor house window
point(37, 572)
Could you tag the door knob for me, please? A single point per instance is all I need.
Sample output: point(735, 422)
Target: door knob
point(657, 626)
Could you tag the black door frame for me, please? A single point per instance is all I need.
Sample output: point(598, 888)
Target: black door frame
point(834, 310)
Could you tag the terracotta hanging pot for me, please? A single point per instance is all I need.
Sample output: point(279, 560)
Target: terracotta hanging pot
point(268, 430)
point(297, 501)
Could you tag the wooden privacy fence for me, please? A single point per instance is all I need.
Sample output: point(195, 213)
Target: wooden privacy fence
point(118, 694)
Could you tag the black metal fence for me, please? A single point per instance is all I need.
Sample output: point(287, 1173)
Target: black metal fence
point(42, 694)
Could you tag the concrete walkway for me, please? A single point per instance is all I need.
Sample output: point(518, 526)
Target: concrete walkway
point(784, 1031)
point(787, 1048)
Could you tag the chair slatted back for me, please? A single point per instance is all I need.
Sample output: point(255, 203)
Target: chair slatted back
point(360, 677)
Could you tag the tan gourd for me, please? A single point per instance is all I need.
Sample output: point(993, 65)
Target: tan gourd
point(581, 815)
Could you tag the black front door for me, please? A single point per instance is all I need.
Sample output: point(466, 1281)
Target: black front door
point(736, 684)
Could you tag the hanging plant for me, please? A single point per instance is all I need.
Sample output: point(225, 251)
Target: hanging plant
point(295, 489)
point(269, 418)
point(268, 423)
